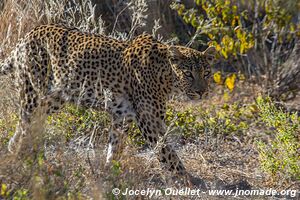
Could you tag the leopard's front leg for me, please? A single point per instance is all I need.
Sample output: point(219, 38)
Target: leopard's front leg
point(115, 143)
point(122, 115)
point(151, 123)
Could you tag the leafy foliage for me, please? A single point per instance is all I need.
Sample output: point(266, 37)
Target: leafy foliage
point(229, 80)
point(7, 127)
point(192, 123)
point(75, 121)
point(231, 25)
point(280, 157)
point(224, 121)
point(221, 22)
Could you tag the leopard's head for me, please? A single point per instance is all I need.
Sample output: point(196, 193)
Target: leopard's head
point(191, 70)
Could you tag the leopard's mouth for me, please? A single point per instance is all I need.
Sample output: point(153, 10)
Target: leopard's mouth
point(196, 96)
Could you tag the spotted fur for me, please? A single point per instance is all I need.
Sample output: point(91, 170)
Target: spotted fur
point(54, 65)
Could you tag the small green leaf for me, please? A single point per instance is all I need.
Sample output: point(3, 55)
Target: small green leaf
point(3, 190)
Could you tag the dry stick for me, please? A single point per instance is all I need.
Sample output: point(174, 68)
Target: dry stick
point(155, 29)
point(141, 8)
point(117, 18)
point(198, 32)
point(248, 175)
point(203, 30)
point(90, 163)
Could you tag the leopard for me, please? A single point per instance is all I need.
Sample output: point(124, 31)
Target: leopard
point(130, 79)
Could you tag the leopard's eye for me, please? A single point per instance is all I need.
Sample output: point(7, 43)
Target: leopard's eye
point(206, 73)
point(188, 73)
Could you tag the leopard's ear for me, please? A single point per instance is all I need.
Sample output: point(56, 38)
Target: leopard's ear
point(211, 55)
point(174, 53)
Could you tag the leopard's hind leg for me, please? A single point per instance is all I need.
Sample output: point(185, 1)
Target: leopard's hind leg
point(33, 113)
point(29, 102)
point(38, 96)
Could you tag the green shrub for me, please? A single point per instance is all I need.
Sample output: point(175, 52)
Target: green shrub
point(281, 156)
point(221, 23)
point(227, 120)
point(193, 122)
point(232, 25)
point(8, 127)
point(76, 121)
point(21, 194)
point(185, 122)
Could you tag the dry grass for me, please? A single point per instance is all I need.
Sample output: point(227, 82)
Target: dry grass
point(50, 167)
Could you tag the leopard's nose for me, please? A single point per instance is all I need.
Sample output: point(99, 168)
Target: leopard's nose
point(199, 92)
